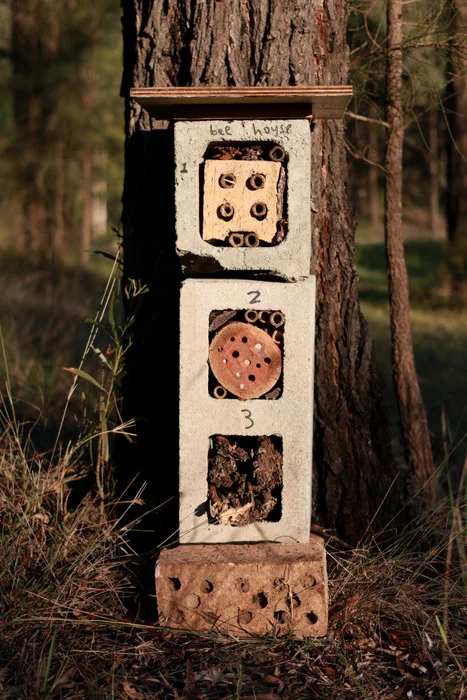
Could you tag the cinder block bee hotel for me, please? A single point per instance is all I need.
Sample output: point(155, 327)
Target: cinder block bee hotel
point(245, 564)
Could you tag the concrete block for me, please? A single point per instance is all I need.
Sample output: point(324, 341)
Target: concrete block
point(244, 590)
point(275, 426)
point(289, 259)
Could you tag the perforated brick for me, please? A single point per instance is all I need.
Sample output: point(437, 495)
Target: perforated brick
point(244, 590)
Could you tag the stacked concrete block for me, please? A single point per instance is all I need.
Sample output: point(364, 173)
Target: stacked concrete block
point(291, 258)
point(245, 564)
point(203, 416)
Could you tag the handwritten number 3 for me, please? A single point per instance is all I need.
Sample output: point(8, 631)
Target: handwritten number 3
point(248, 417)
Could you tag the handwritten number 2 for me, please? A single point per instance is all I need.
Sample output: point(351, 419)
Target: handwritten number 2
point(255, 297)
point(248, 417)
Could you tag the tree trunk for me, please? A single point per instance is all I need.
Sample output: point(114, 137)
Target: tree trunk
point(373, 156)
point(433, 158)
point(30, 110)
point(456, 147)
point(88, 75)
point(59, 233)
point(259, 42)
point(87, 205)
point(414, 424)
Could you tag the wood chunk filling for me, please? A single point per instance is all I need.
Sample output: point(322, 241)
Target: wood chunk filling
point(244, 479)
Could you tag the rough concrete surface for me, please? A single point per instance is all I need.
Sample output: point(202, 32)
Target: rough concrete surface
point(203, 416)
point(244, 590)
point(290, 259)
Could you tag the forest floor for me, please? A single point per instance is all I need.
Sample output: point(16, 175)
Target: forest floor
point(397, 610)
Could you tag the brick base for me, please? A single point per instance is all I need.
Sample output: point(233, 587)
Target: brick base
point(245, 590)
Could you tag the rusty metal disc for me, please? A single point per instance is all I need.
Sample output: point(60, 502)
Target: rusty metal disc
point(245, 360)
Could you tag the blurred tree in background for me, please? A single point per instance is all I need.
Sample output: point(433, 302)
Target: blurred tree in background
point(61, 137)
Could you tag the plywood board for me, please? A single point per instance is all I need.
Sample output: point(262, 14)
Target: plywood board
point(319, 102)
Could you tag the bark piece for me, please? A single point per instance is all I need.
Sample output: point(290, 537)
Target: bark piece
point(245, 590)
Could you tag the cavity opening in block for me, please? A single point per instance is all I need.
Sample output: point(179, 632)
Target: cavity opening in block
point(244, 479)
point(243, 194)
point(246, 348)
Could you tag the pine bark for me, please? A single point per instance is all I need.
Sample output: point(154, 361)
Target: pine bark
point(416, 437)
point(251, 42)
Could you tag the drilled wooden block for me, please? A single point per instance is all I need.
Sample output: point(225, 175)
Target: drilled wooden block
point(245, 590)
point(241, 197)
point(245, 360)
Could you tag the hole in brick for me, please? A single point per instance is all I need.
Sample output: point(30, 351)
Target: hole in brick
point(192, 601)
point(261, 599)
point(312, 617)
point(280, 616)
point(244, 617)
point(175, 583)
point(207, 587)
point(309, 582)
point(244, 479)
point(236, 343)
point(244, 585)
point(293, 601)
point(279, 584)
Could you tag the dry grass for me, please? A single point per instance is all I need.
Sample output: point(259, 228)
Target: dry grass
point(67, 576)
point(395, 614)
